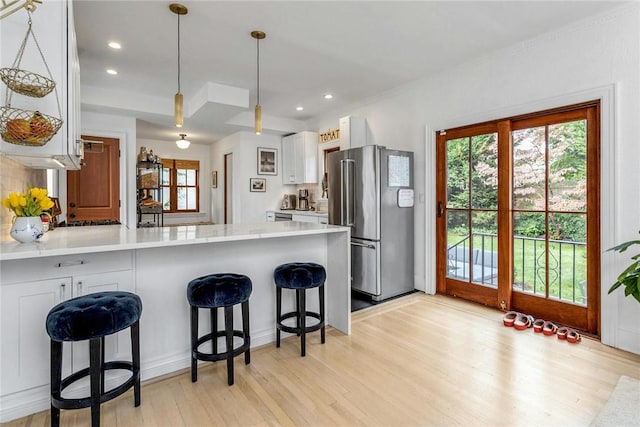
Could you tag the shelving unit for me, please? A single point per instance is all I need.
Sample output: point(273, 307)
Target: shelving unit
point(149, 198)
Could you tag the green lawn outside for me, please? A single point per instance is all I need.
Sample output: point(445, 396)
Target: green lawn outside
point(528, 273)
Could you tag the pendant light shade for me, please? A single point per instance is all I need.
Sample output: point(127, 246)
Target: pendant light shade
point(182, 142)
point(178, 102)
point(178, 113)
point(258, 119)
point(258, 35)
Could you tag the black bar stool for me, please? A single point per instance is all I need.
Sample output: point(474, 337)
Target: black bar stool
point(299, 276)
point(212, 292)
point(92, 317)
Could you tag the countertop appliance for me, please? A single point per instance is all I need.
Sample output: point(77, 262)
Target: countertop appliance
point(303, 199)
point(288, 202)
point(371, 191)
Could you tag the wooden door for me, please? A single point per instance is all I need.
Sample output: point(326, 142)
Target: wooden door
point(93, 192)
point(518, 214)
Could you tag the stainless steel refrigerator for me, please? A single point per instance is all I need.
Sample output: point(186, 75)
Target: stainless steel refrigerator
point(371, 191)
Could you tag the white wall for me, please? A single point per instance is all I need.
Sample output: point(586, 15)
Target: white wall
point(248, 206)
point(554, 69)
point(169, 150)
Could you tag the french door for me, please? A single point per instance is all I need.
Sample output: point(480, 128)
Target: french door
point(518, 214)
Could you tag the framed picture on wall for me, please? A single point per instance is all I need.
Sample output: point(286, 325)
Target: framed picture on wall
point(267, 161)
point(214, 179)
point(258, 184)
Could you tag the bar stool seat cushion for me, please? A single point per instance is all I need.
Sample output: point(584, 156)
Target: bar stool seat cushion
point(219, 290)
point(299, 275)
point(94, 315)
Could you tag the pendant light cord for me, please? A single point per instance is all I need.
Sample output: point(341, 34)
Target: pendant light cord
point(178, 52)
point(258, 68)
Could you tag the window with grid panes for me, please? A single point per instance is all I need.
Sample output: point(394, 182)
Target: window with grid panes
point(180, 185)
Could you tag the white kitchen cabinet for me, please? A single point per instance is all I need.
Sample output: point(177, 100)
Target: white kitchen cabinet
point(25, 343)
point(25, 302)
point(305, 218)
point(353, 132)
point(300, 158)
point(54, 28)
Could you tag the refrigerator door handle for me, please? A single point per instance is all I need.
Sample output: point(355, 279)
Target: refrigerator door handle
point(342, 191)
point(346, 193)
point(363, 245)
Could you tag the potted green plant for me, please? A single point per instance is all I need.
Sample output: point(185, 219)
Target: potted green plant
point(630, 277)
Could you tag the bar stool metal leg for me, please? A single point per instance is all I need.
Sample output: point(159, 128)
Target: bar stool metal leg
point(56, 380)
point(102, 346)
point(135, 360)
point(95, 370)
point(302, 322)
point(278, 313)
point(321, 297)
point(228, 325)
point(245, 331)
point(194, 343)
point(214, 330)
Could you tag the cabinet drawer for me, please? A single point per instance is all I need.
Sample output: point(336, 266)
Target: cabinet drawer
point(24, 270)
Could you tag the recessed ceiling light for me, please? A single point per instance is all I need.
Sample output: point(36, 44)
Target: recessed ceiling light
point(299, 108)
point(114, 45)
point(112, 72)
point(328, 96)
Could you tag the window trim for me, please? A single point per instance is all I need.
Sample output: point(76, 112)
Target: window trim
point(173, 165)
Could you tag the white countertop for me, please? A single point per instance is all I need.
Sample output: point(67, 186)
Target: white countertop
point(106, 238)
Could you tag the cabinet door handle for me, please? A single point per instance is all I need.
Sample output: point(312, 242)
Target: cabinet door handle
point(63, 288)
point(71, 263)
point(79, 290)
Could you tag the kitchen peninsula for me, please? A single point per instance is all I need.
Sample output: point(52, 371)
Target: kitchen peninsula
point(157, 264)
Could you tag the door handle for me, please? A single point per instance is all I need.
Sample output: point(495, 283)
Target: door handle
point(363, 245)
point(350, 193)
point(440, 209)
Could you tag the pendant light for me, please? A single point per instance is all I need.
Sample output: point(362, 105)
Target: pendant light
point(182, 142)
point(178, 102)
point(258, 35)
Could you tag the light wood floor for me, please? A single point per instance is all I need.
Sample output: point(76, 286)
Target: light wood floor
point(419, 360)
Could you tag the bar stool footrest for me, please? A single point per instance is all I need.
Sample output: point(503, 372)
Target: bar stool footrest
point(85, 402)
point(212, 357)
point(295, 329)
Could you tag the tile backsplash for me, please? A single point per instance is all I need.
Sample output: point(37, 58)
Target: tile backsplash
point(15, 177)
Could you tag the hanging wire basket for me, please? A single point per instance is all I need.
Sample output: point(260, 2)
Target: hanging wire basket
point(27, 83)
point(25, 127)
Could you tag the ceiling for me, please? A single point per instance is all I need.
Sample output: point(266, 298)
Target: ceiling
point(353, 50)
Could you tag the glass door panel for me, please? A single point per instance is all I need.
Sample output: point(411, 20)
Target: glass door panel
point(485, 245)
point(458, 245)
point(471, 214)
point(549, 216)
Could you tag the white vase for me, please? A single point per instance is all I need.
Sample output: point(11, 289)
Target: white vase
point(26, 229)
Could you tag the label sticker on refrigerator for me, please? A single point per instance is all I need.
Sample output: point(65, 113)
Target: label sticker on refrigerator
point(405, 198)
point(399, 174)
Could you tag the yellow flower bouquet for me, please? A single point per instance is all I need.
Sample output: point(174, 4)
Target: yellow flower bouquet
point(34, 202)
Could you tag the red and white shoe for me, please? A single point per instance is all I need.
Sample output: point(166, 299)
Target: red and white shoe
point(573, 337)
point(509, 318)
point(562, 333)
point(549, 328)
point(538, 324)
point(523, 321)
